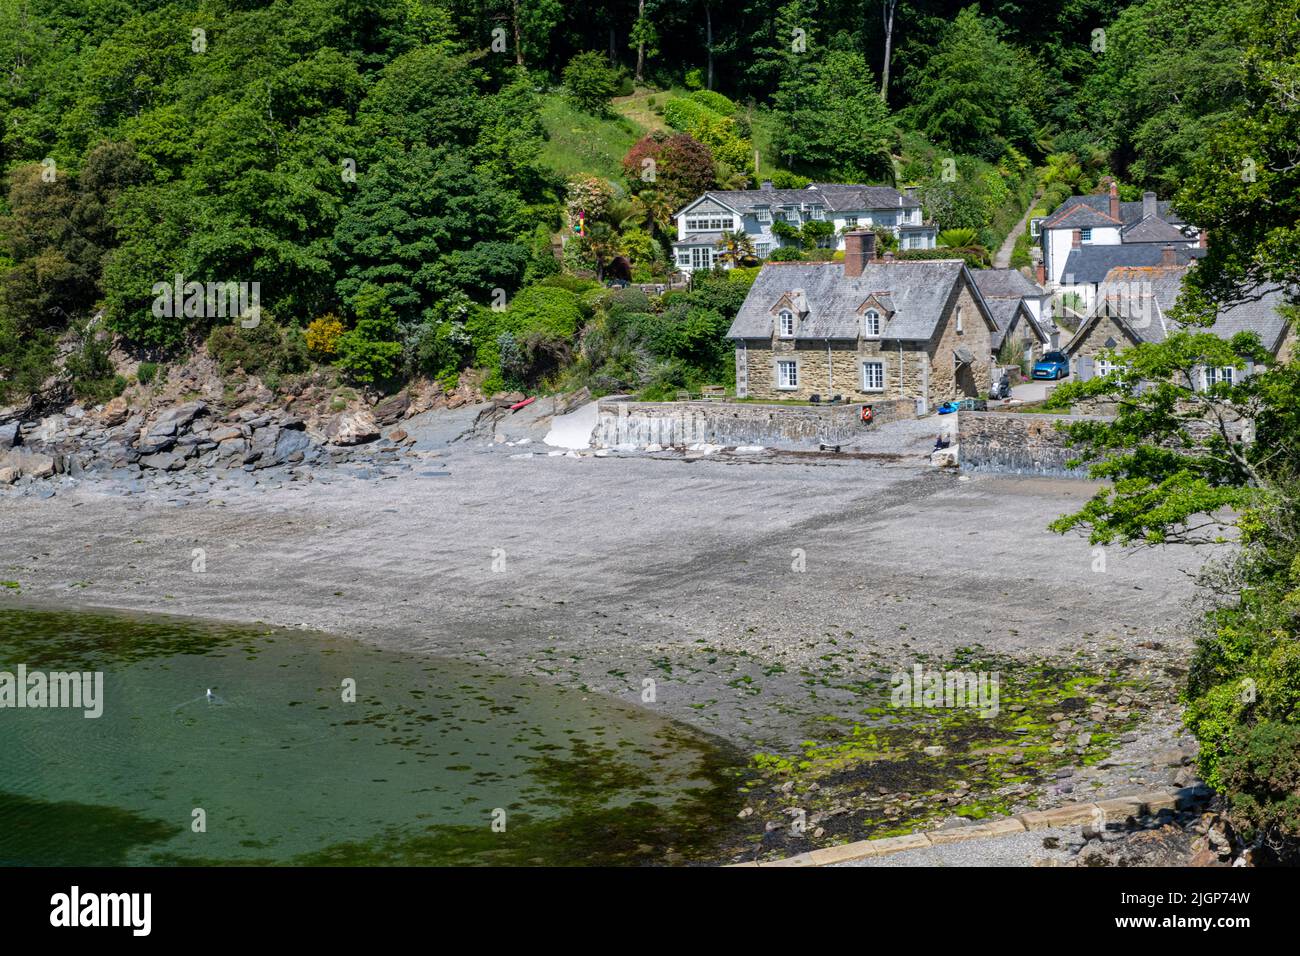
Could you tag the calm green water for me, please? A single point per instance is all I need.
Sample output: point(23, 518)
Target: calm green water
point(287, 772)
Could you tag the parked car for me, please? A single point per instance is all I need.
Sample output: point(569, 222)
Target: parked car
point(1053, 365)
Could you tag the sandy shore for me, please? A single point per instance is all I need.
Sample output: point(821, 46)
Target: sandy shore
point(611, 571)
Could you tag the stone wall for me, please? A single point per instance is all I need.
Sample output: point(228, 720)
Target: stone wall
point(975, 337)
point(737, 423)
point(1013, 443)
point(836, 370)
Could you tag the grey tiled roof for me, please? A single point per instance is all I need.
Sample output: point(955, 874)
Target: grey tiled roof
point(1089, 265)
point(918, 291)
point(700, 239)
point(1129, 212)
point(1162, 286)
point(1078, 216)
point(836, 197)
point(1152, 229)
point(1004, 283)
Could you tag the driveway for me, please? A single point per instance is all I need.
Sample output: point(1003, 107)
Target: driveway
point(1035, 390)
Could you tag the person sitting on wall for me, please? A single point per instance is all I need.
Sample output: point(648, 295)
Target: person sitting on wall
point(941, 441)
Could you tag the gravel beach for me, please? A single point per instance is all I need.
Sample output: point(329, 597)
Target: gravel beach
point(602, 572)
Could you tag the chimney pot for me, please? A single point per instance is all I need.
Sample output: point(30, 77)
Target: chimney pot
point(859, 249)
point(1114, 200)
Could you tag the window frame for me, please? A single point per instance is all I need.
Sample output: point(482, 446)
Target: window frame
point(878, 364)
point(782, 317)
point(781, 366)
point(867, 317)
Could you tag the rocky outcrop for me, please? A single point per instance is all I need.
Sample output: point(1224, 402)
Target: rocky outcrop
point(352, 428)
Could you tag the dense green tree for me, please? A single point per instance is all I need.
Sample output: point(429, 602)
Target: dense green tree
point(1168, 72)
point(976, 93)
point(826, 126)
point(590, 83)
point(1184, 462)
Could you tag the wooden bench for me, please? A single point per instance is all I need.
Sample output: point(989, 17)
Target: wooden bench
point(713, 392)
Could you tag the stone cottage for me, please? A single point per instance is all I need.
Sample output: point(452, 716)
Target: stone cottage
point(865, 329)
point(1134, 306)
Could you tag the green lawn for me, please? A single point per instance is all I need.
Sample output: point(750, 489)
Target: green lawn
point(579, 143)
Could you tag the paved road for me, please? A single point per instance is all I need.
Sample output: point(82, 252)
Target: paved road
point(1035, 390)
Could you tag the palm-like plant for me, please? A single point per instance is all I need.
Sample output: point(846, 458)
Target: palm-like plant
point(737, 248)
point(604, 243)
point(957, 238)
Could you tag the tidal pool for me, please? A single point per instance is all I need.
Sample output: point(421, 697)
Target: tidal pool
point(285, 771)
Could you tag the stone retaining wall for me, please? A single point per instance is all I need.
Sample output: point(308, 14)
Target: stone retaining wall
point(1102, 813)
point(1021, 444)
point(737, 423)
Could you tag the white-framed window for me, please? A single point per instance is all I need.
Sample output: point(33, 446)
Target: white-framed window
point(1104, 366)
point(851, 222)
point(763, 215)
point(701, 257)
point(873, 376)
point(761, 249)
point(1215, 375)
point(683, 257)
point(871, 323)
point(959, 320)
point(786, 324)
point(1085, 235)
point(818, 212)
point(787, 374)
point(712, 223)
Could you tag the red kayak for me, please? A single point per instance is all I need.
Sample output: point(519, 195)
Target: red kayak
point(518, 405)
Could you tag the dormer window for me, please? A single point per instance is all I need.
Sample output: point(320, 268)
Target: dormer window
point(786, 324)
point(871, 324)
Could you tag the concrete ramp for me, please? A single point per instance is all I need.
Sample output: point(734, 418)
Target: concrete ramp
point(573, 431)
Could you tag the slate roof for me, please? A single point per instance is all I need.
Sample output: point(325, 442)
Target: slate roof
point(1152, 229)
point(1129, 212)
point(700, 239)
point(1089, 264)
point(1004, 290)
point(917, 289)
point(836, 197)
point(1004, 283)
point(1148, 294)
point(1079, 216)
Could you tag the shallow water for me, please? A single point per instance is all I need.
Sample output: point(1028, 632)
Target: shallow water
point(415, 771)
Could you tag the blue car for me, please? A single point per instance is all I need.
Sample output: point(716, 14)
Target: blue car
point(1053, 365)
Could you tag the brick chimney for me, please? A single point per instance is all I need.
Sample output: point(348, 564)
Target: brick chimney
point(1148, 205)
point(1202, 239)
point(1168, 257)
point(859, 249)
point(1114, 200)
point(1041, 273)
point(1076, 239)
